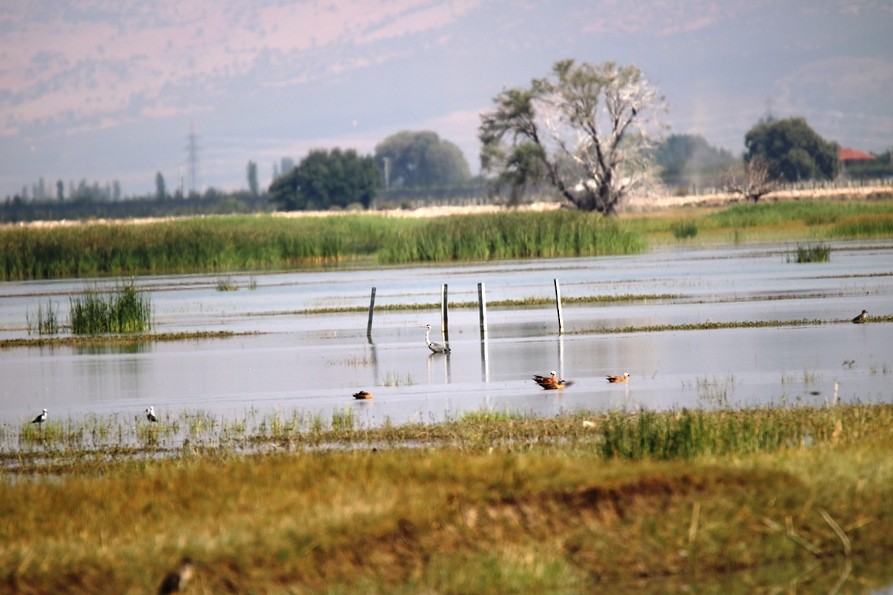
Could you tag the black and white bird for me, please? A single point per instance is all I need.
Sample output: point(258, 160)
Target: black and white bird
point(150, 414)
point(40, 418)
point(434, 347)
point(861, 317)
point(177, 579)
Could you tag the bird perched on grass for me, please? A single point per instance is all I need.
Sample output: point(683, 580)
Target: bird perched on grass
point(177, 579)
point(861, 317)
point(552, 382)
point(613, 379)
point(362, 395)
point(434, 347)
point(150, 414)
point(40, 419)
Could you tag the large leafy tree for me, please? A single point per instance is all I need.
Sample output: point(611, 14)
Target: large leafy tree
point(421, 160)
point(584, 130)
point(326, 179)
point(792, 149)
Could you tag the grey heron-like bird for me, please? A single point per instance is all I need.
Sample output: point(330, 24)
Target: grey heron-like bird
point(150, 414)
point(40, 418)
point(861, 317)
point(434, 347)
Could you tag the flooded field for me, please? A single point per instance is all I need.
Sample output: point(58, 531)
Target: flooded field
point(289, 360)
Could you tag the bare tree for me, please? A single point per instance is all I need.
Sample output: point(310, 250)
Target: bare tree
point(753, 181)
point(584, 130)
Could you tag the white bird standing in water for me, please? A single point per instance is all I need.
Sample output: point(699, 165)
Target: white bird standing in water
point(434, 347)
point(150, 414)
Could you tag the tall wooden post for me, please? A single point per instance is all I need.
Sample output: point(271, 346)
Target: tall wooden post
point(558, 307)
point(482, 307)
point(444, 314)
point(371, 309)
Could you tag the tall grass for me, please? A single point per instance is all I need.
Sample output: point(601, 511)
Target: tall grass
point(813, 253)
point(186, 245)
point(124, 310)
point(47, 322)
point(509, 235)
point(230, 243)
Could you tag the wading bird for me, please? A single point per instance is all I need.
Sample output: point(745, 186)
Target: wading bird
point(362, 395)
point(177, 579)
point(434, 347)
point(861, 317)
point(624, 378)
point(552, 382)
point(150, 414)
point(40, 419)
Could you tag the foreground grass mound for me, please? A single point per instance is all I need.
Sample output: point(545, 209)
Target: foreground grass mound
point(485, 504)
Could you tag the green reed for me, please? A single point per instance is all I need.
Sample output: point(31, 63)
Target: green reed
point(124, 310)
point(186, 245)
point(509, 235)
point(47, 322)
point(252, 242)
point(684, 230)
point(812, 253)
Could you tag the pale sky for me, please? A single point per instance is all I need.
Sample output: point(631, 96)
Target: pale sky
point(108, 90)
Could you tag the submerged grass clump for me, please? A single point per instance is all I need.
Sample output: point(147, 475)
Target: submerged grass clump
point(47, 322)
point(818, 252)
point(124, 310)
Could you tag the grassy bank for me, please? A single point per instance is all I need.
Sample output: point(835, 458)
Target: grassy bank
point(757, 500)
point(239, 243)
point(768, 221)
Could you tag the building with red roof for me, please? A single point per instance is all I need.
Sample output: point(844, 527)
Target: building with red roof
point(846, 154)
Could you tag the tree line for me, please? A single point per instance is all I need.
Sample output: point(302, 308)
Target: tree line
point(589, 135)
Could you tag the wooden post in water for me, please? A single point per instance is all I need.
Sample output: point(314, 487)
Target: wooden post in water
point(371, 309)
point(558, 307)
point(482, 306)
point(444, 315)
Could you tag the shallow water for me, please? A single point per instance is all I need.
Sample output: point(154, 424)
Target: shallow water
point(312, 363)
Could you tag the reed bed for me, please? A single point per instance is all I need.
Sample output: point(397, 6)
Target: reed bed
point(185, 245)
point(122, 310)
point(239, 243)
point(509, 235)
point(496, 502)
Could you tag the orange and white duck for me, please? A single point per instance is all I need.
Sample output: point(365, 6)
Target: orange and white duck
point(614, 379)
point(361, 395)
point(552, 382)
